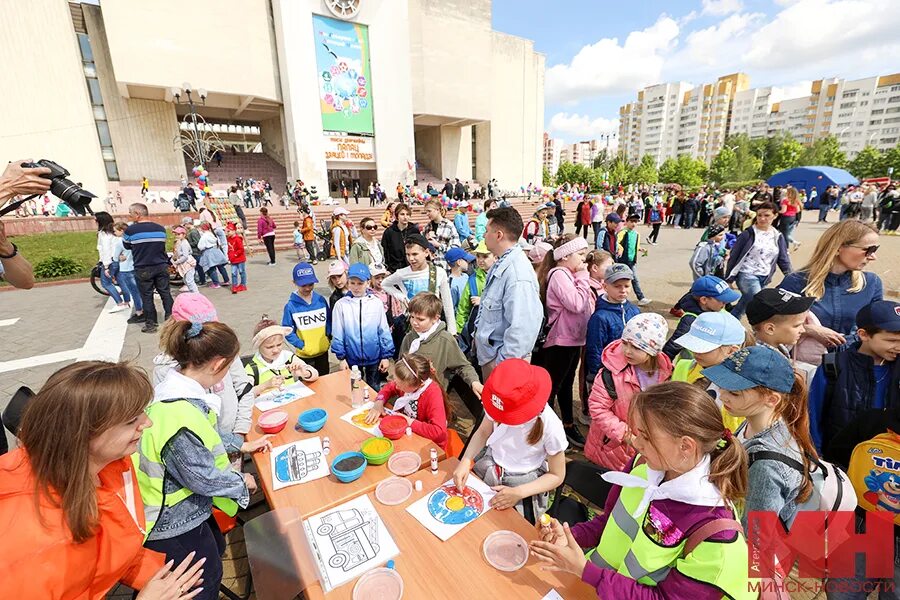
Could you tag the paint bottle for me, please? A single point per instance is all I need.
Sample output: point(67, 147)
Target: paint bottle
point(418, 485)
point(326, 445)
point(356, 395)
point(434, 461)
point(366, 395)
point(409, 431)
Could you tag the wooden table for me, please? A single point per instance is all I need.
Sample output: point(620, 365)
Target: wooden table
point(457, 568)
point(332, 393)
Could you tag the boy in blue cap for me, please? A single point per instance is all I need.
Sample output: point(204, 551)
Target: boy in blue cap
point(308, 315)
point(865, 376)
point(707, 294)
point(458, 260)
point(360, 333)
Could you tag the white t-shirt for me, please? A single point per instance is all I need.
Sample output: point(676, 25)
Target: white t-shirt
point(513, 453)
point(762, 255)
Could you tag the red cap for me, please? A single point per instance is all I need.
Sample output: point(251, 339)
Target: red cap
point(231, 226)
point(516, 392)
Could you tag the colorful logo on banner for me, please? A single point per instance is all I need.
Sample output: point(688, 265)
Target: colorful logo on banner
point(345, 85)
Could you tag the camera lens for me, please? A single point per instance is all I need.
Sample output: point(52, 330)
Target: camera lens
point(70, 193)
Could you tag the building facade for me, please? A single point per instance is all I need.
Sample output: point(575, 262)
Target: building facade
point(857, 112)
point(552, 150)
point(328, 91)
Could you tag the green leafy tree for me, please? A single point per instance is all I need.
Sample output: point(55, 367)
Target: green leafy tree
point(565, 173)
point(620, 172)
point(646, 171)
point(602, 160)
point(747, 158)
point(684, 170)
point(724, 166)
point(546, 177)
point(824, 152)
point(892, 160)
point(786, 156)
point(868, 163)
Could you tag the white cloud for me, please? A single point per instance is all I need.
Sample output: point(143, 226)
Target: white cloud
point(607, 67)
point(716, 46)
point(720, 8)
point(581, 127)
point(794, 90)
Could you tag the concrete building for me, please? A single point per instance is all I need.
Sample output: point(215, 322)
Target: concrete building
point(581, 153)
point(551, 156)
point(326, 91)
point(858, 112)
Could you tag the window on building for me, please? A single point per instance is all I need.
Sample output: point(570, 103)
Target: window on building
point(93, 87)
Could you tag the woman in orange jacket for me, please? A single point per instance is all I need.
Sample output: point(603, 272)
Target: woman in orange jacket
point(70, 508)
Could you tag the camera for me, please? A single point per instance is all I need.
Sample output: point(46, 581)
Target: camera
point(70, 193)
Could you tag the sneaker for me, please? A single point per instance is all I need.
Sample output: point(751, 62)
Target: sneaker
point(644, 301)
point(584, 419)
point(184, 288)
point(235, 289)
point(574, 436)
point(149, 328)
point(242, 288)
point(136, 319)
point(118, 308)
point(214, 286)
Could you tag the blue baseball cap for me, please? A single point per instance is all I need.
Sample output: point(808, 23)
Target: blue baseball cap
point(613, 218)
point(711, 330)
point(756, 366)
point(304, 274)
point(454, 254)
point(884, 315)
point(359, 271)
point(713, 287)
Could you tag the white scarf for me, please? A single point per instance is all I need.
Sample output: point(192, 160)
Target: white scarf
point(177, 385)
point(409, 403)
point(414, 346)
point(692, 487)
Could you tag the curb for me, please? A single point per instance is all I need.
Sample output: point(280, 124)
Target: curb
point(9, 288)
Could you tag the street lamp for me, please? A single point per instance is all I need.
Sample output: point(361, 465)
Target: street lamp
point(185, 90)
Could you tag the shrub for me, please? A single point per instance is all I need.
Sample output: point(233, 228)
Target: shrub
point(56, 266)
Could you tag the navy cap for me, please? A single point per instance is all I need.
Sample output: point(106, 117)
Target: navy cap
point(756, 366)
point(614, 218)
point(454, 254)
point(304, 274)
point(773, 301)
point(713, 287)
point(884, 315)
point(419, 240)
point(359, 271)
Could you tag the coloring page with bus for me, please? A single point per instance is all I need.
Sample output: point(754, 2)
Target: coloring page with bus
point(298, 462)
point(349, 540)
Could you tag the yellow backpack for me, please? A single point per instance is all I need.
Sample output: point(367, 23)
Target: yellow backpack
point(875, 473)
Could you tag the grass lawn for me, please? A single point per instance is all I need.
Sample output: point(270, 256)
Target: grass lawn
point(80, 246)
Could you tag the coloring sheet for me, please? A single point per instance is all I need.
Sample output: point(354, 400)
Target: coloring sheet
point(357, 418)
point(349, 540)
point(298, 463)
point(279, 398)
point(445, 510)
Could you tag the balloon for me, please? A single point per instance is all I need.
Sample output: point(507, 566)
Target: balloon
point(207, 190)
point(205, 172)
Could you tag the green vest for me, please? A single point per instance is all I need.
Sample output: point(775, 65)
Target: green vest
point(260, 373)
point(625, 548)
point(682, 370)
point(169, 418)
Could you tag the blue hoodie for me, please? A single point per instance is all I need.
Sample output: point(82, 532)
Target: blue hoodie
point(311, 323)
point(361, 335)
point(604, 327)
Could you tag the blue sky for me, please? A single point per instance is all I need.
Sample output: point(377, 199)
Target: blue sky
point(600, 52)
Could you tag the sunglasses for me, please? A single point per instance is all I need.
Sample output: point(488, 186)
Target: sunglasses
point(870, 250)
point(371, 227)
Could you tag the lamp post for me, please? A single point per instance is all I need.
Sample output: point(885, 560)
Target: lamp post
point(185, 90)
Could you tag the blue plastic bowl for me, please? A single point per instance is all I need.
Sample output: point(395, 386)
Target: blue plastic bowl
point(348, 476)
point(312, 419)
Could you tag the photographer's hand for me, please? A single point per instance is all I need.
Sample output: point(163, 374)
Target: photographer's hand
point(16, 270)
point(17, 180)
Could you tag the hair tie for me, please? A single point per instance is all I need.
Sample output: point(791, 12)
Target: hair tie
point(727, 437)
point(194, 330)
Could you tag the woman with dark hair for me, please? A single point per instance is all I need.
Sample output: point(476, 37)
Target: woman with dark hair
point(109, 260)
point(265, 232)
point(393, 239)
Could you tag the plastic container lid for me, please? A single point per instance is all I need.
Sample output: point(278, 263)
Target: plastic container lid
point(404, 463)
point(505, 550)
point(379, 584)
point(393, 490)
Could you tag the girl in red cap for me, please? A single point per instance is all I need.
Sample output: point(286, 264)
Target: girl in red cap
point(519, 448)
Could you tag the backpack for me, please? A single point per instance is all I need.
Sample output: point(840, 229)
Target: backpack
point(875, 473)
point(183, 203)
point(466, 337)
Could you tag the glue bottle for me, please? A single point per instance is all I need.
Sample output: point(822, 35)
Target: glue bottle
point(356, 395)
point(434, 461)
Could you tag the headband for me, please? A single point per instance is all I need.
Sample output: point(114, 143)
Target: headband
point(570, 247)
point(267, 332)
point(411, 370)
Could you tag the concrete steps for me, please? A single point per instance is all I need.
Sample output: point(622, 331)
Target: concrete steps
point(255, 165)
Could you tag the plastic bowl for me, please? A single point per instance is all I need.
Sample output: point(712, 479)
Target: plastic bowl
point(272, 421)
point(376, 459)
point(393, 427)
point(404, 463)
point(313, 419)
point(380, 584)
point(505, 550)
point(346, 476)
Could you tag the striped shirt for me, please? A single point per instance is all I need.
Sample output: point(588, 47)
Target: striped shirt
point(147, 242)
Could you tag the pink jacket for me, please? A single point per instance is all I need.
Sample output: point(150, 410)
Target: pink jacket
point(570, 304)
point(264, 226)
point(609, 419)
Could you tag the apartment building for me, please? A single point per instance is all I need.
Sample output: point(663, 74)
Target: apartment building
point(580, 153)
point(551, 153)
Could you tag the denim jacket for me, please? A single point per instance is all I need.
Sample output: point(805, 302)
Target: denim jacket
point(189, 464)
point(509, 318)
point(772, 485)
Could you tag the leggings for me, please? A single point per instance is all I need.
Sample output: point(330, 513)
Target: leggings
point(269, 241)
point(654, 235)
point(207, 541)
point(562, 364)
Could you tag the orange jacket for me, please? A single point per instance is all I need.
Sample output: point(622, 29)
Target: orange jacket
point(39, 551)
point(308, 229)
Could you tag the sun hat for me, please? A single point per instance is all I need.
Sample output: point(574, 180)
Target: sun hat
point(179, 229)
point(340, 210)
point(359, 271)
point(303, 274)
point(773, 301)
point(194, 307)
point(715, 288)
point(617, 271)
point(482, 248)
point(756, 366)
point(336, 267)
point(454, 254)
point(647, 332)
point(267, 332)
point(538, 251)
point(516, 392)
point(377, 269)
point(711, 330)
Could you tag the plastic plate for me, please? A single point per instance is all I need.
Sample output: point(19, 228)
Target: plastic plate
point(379, 584)
point(404, 463)
point(394, 490)
point(505, 550)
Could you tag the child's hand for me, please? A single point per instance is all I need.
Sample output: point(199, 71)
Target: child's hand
point(343, 365)
point(384, 365)
point(275, 383)
point(461, 474)
point(374, 413)
point(554, 533)
point(475, 300)
point(506, 497)
point(250, 482)
point(260, 445)
point(478, 387)
point(562, 557)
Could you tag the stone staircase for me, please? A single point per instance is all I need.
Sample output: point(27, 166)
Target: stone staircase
point(255, 165)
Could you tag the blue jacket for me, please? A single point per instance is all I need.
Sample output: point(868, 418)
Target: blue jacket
point(742, 246)
point(837, 308)
point(461, 222)
point(311, 324)
point(147, 242)
point(509, 315)
point(605, 326)
point(853, 393)
point(480, 226)
point(360, 333)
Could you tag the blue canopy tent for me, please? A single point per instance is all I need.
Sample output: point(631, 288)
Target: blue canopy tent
point(807, 178)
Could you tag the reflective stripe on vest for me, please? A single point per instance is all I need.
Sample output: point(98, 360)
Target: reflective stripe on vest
point(170, 417)
point(266, 373)
point(627, 549)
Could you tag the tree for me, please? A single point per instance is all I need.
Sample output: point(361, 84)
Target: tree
point(684, 170)
point(892, 161)
point(786, 156)
point(724, 166)
point(868, 163)
point(747, 158)
point(547, 178)
point(824, 152)
point(602, 160)
point(620, 172)
point(646, 172)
